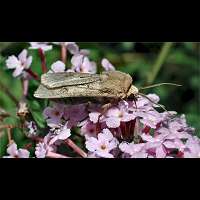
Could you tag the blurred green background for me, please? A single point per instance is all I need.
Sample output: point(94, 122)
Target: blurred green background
point(148, 63)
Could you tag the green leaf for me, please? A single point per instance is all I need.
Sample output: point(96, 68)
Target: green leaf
point(193, 120)
point(3, 142)
point(181, 58)
point(39, 119)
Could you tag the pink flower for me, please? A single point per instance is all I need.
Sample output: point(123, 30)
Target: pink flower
point(54, 114)
point(176, 128)
point(81, 63)
point(42, 148)
point(155, 145)
point(19, 63)
point(103, 144)
point(16, 153)
point(60, 134)
point(150, 118)
point(142, 102)
point(192, 148)
point(118, 114)
point(40, 45)
point(89, 129)
point(57, 66)
point(75, 113)
point(134, 150)
point(107, 65)
point(32, 129)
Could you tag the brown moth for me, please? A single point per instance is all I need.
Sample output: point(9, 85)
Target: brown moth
point(80, 87)
point(112, 84)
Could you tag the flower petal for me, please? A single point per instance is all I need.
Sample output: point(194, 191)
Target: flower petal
point(113, 122)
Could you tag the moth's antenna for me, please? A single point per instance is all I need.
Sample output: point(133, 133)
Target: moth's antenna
point(159, 84)
point(163, 107)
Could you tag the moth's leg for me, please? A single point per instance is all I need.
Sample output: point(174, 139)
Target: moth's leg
point(134, 100)
point(106, 107)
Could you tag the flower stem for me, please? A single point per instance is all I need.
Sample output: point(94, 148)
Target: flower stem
point(55, 155)
point(33, 74)
point(9, 136)
point(25, 84)
point(43, 60)
point(77, 149)
point(63, 53)
point(159, 62)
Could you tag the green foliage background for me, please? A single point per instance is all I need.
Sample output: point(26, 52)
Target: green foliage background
point(181, 65)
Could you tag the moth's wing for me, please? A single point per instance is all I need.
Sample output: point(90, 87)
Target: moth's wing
point(63, 85)
point(42, 92)
point(56, 80)
point(88, 90)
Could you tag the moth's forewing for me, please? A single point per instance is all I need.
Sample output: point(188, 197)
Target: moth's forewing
point(56, 80)
point(62, 85)
point(70, 91)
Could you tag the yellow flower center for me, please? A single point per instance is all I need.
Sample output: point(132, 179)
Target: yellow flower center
point(120, 115)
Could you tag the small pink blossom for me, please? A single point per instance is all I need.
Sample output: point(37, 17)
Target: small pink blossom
point(42, 148)
point(107, 65)
point(176, 128)
point(146, 112)
point(89, 129)
point(81, 63)
point(57, 67)
point(103, 144)
point(75, 113)
point(143, 104)
point(118, 114)
point(150, 118)
point(16, 153)
point(54, 114)
point(60, 134)
point(19, 63)
point(32, 128)
point(44, 46)
point(192, 148)
point(134, 150)
point(156, 144)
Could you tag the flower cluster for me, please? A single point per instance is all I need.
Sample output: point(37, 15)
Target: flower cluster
point(126, 129)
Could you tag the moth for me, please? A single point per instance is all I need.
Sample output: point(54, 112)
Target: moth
point(111, 84)
point(107, 85)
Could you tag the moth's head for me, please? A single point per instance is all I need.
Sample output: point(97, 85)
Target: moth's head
point(132, 92)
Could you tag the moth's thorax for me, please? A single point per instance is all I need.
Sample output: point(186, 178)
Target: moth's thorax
point(116, 83)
